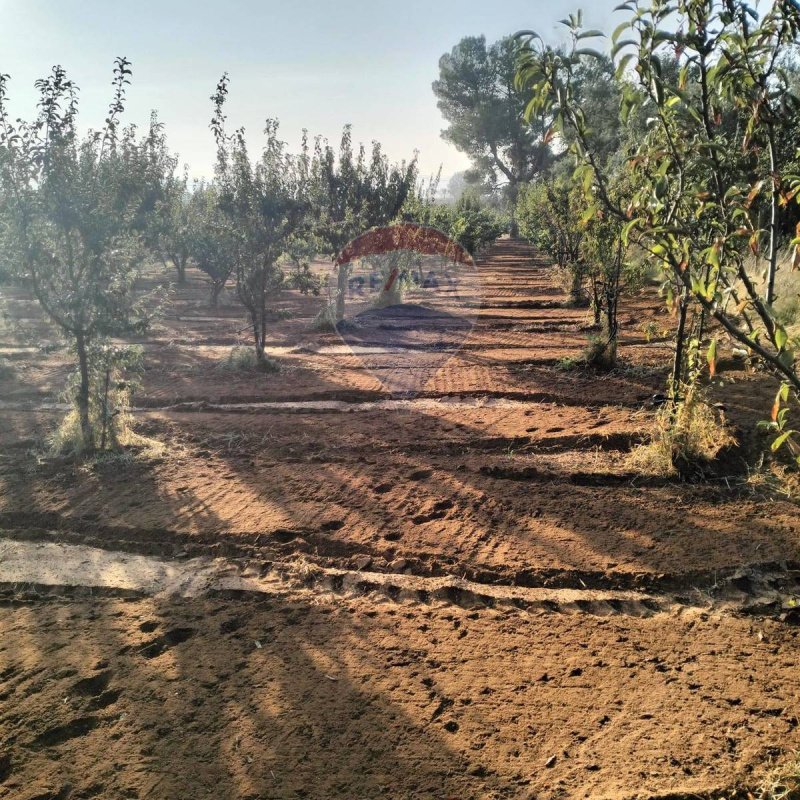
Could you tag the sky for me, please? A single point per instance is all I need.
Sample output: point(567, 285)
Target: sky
point(314, 64)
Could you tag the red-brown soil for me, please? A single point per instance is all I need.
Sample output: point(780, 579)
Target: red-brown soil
point(505, 468)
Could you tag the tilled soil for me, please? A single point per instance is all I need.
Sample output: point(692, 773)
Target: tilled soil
point(302, 696)
point(505, 470)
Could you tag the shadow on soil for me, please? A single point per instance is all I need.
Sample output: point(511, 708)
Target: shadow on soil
point(202, 698)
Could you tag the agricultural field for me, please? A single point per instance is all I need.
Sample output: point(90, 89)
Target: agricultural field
point(400, 404)
point(311, 587)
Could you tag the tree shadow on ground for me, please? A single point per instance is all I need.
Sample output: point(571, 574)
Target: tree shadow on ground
point(270, 698)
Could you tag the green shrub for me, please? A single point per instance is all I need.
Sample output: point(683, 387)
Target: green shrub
point(470, 222)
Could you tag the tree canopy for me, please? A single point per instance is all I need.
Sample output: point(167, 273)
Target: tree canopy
point(477, 96)
point(76, 212)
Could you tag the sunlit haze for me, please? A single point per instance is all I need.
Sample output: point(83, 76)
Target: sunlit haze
point(312, 64)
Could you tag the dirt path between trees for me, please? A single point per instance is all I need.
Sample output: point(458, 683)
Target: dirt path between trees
point(320, 590)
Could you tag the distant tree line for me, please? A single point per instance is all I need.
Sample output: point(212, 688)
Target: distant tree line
point(81, 214)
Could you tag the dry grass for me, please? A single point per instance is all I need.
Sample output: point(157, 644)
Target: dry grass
point(302, 571)
point(773, 480)
point(325, 321)
point(783, 783)
point(685, 440)
point(122, 441)
point(68, 439)
point(787, 288)
point(244, 359)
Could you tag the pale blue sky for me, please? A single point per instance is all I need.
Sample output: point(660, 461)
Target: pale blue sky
point(312, 63)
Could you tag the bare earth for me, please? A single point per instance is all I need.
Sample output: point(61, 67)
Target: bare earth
point(321, 591)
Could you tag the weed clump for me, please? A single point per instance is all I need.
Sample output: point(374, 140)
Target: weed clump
point(689, 437)
point(245, 359)
point(303, 571)
point(325, 321)
point(569, 363)
point(601, 352)
point(113, 375)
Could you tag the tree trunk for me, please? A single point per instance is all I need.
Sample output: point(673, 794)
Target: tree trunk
point(576, 290)
point(83, 393)
point(341, 291)
point(680, 348)
point(180, 265)
point(611, 289)
point(259, 344)
point(105, 409)
point(261, 355)
point(769, 291)
point(514, 224)
point(612, 298)
point(597, 305)
point(216, 290)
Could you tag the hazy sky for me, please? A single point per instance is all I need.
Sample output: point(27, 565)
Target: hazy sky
point(312, 63)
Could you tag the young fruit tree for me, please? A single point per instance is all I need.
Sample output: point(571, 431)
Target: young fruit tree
point(174, 233)
point(549, 213)
point(473, 225)
point(350, 194)
point(587, 248)
point(708, 183)
point(610, 271)
point(74, 212)
point(265, 203)
point(212, 241)
point(468, 220)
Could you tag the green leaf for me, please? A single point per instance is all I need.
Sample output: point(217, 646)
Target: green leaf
point(781, 440)
point(712, 256)
point(699, 287)
point(627, 230)
point(658, 86)
point(530, 109)
point(624, 43)
point(618, 31)
point(526, 34)
point(655, 63)
point(621, 66)
point(781, 337)
point(588, 178)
